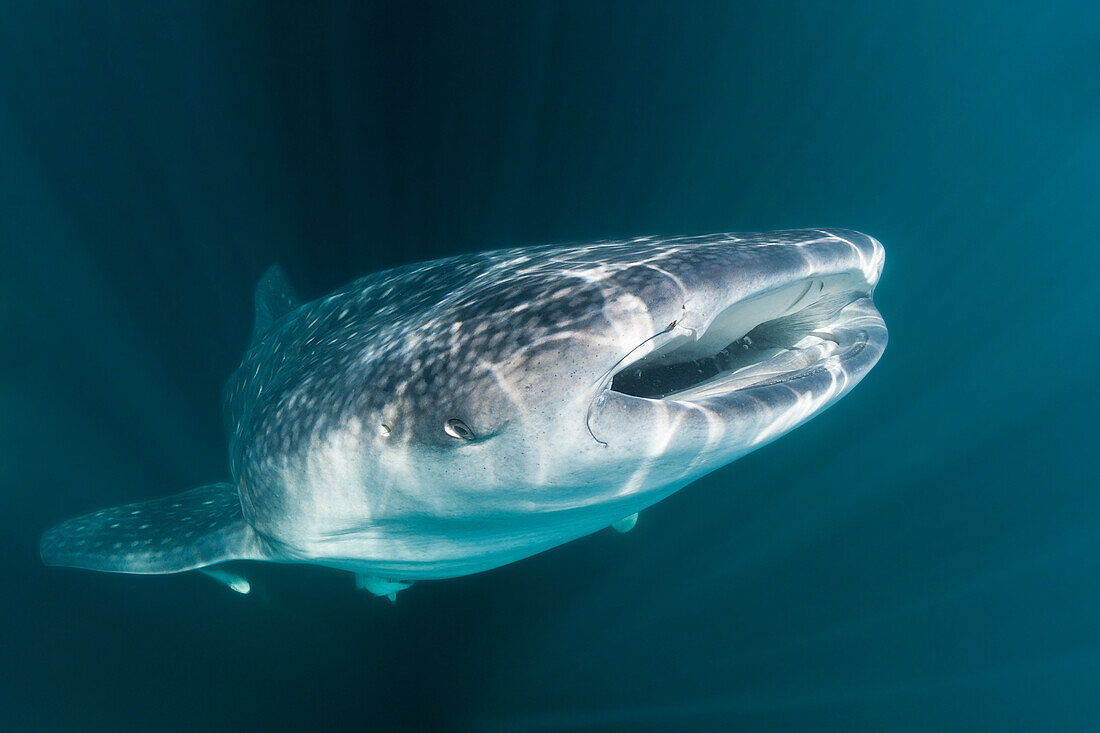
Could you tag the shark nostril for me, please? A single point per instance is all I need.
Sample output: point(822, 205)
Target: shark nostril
point(458, 429)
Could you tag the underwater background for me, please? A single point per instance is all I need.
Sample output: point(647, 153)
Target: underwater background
point(923, 556)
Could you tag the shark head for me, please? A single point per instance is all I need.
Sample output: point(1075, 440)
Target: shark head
point(462, 414)
point(770, 333)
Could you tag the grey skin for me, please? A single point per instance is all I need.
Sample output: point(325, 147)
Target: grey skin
point(445, 418)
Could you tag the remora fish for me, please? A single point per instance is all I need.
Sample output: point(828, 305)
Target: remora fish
point(450, 417)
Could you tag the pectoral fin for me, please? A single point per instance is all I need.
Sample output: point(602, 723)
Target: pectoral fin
point(200, 527)
point(381, 586)
point(626, 523)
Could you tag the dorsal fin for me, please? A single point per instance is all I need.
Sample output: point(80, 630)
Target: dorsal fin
point(274, 299)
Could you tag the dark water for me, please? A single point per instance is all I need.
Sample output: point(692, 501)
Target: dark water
point(923, 556)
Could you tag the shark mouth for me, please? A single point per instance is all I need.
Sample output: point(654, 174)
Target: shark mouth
point(769, 338)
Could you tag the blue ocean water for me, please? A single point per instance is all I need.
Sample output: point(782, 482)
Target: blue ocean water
point(922, 556)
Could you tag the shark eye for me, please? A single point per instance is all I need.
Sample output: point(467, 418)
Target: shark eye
point(458, 429)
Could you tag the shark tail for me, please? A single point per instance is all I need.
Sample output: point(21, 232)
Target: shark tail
point(200, 527)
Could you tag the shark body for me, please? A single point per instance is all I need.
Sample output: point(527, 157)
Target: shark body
point(449, 417)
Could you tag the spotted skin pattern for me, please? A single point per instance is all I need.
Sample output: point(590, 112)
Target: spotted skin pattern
point(403, 346)
point(424, 332)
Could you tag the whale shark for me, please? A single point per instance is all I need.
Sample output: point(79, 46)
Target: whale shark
point(449, 417)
